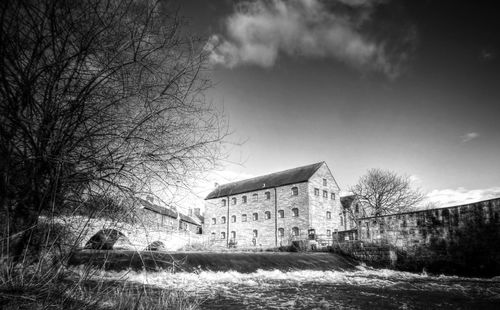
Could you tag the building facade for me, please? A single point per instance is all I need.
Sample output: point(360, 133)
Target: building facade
point(275, 209)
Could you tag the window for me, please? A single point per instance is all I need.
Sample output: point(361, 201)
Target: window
point(223, 202)
point(244, 218)
point(325, 194)
point(328, 215)
point(213, 236)
point(268, 215)
point(214, 221)
point(256, 216)
point(233, 235)
point(223, 220)
point(233, 218)
point(255, 233)
point(328, 232)
point(295, 212)
point(281, 232)
point(295, 191)
point(324, 182)
point(268, 195)
point(316, 191)
point(341, 220)
point(281, 213)
point(255, 197)
point(333, 196)
point(223, 235)
point(244, 199)
point(233, 200)
point(356, 208)
point(295, 231)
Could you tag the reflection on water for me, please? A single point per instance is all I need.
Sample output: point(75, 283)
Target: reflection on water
point(307, 289)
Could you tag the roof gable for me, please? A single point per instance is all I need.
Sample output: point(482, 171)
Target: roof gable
point(286, 177)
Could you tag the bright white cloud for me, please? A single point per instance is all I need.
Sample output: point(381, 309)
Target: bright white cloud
point(469, 136)
point(451, 197)
point(260, 30)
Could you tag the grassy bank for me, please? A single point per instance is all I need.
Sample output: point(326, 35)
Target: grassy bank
point(194, 261)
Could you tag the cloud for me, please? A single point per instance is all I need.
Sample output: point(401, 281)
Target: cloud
point(469, 136)
point(259, 31)
point(451, 197)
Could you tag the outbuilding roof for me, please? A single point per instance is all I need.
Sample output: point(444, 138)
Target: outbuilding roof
point(286, 177)
point(346, 201)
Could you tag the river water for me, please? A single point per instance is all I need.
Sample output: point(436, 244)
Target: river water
point(363, 288)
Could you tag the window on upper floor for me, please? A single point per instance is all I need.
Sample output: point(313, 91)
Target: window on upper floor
point(256, 216)
point(295, 191)
point(244, 199)
point(243, 217)
point(281, 232)
point(328, 232)
point(316, 191)
point(233, 200)
point(356, 208)
point(233, 235)
point(295, 212)
point(341, 220)
point(268, 195)
point(213, 236)
point(255, 197)
point(268, 215)
point(324, 182)
point(328, 215)
point(223, 235)
point(295, 231)
point(255, 233)
point(214, 221)
point(281, 213)
point(233, 218)
point(223, 202)
point(333, 196)
point(223, 220)
point(325, 194)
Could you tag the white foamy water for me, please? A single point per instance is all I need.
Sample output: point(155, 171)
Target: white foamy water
point(305, 289)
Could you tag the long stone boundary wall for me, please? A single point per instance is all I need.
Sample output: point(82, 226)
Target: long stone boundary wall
point(461, 239)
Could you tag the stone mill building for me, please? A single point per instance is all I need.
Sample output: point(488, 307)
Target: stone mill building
point(274, 209)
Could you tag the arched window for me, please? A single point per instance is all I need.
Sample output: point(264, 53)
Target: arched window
point(356, 208)
point(295, 212)
point(223, 220)
point(281, 232)
point(268, 195)
point(223, 235)
point(256, 216)
point(233, 200)
point(233, 235)
point(295, 231)
point(223, 202)
point(295, 191)
point(244, 199)
point(268, 215)
point(233, 218)
point(255, 197)
point(328, 215)
point(255, 233)
point(214, 221)
point(243, 217)
point(281, 213)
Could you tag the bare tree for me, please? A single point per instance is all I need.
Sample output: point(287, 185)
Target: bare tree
point(97, 96)
point(381, 192)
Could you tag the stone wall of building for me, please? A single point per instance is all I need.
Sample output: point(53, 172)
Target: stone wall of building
point(458, 240)
point(321, 201)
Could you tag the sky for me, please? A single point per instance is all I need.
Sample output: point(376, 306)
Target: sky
point(408, 86)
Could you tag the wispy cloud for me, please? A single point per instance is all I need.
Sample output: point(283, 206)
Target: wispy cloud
point(259, 31)
point(469, 136)
point(450, 197)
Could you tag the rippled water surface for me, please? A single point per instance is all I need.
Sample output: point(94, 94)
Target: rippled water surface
point(364, 288)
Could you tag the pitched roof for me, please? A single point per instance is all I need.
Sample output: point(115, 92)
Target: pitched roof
point(346, 201)
point(188, 219)
point(290, 176)
point(158, 209)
